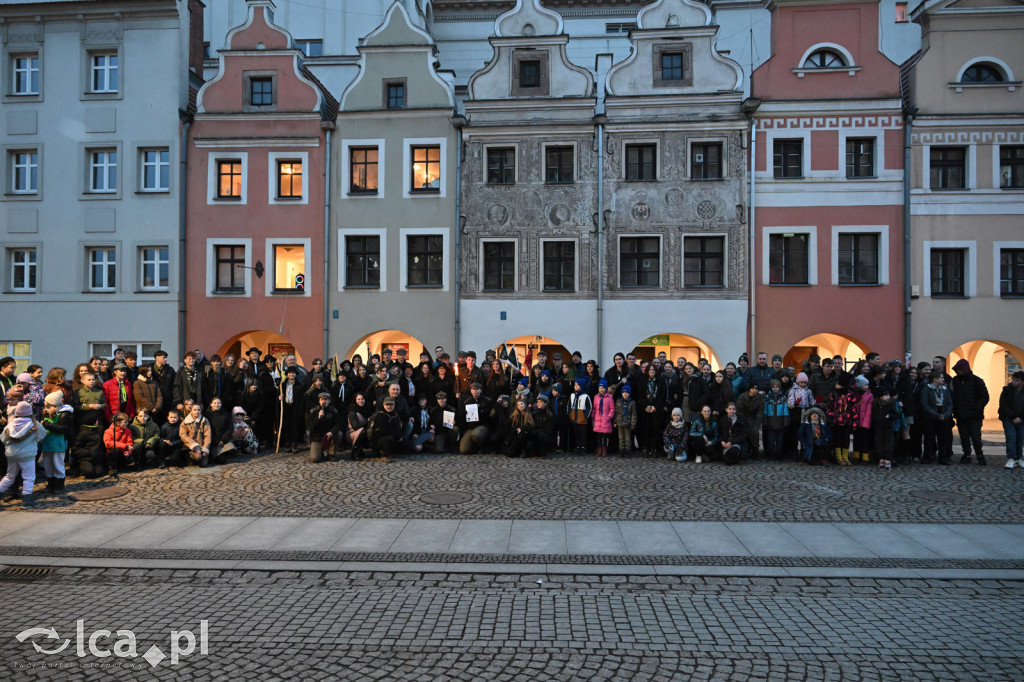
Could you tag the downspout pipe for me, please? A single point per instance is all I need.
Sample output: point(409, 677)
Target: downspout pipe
point(600, 239)
point(327, 234)
point(186, 119)
point(908, 130)
point(751, 235)
point(458, 121)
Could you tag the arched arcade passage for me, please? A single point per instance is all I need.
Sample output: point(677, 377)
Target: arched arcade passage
point(993, 361)
point(266, 341)
point(676, 346)
point(394, 339)
point(826, 345)
point(533, 344)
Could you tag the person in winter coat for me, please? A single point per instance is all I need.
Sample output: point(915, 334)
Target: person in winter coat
point(321, 421)
point(544, 426)
point(604, 415)
point(675, 436)
point(970, 396)
point(170, 449)
point(145, 436)
point(732, 436)
point(579, 408)
point(357, 421)
point(625, 419)
point(841, 413)
point(798, 399)
point(221, 429)
point(385, 429)
point(936, 419)
point(776, 420)
point(750, 406)
point(120, 393)
point(146, 392)
point(120, 444)
point(862, 436)
point(21, 438)
point(89, 399)
point(815, 437)
point(1011, 413)
point(196, 436)
point(89, 454)
point(59, 420)
point(885, 418)
point(703, 435)
point(242, 435)
point(651, 396)
point(251, 400)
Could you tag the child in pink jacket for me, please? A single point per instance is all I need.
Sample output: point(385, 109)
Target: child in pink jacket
point(603, 414)
point(862, 440)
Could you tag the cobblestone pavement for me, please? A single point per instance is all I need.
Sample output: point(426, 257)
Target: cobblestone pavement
point(438, 626)
point(568, 487)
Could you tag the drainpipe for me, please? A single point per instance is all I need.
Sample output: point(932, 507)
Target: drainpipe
point(458, 121)
point(908, 128)
point(327, 234)
point(186, 118)
point(751, 254)
point(600, 238)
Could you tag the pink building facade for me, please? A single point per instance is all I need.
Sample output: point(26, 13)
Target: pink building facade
point(828, 186)
point(257, 154)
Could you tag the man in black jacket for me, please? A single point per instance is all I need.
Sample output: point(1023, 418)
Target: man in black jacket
point(970, 396)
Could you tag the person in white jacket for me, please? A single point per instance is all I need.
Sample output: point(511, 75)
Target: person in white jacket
point(21, 439)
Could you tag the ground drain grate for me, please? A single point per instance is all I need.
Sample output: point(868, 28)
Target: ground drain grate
point(26, 572)
point(940, 496)
point(446, 497)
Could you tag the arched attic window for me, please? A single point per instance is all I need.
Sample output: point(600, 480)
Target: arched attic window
point(824, 59)
point(985, 72)
point(982, 72)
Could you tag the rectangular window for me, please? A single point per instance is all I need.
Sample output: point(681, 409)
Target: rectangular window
point(948, 272)
point(289, 179)
point(104, 73)
point(155, 268)
point(706, 161)
point(860, 157)
point(1011, 167)
point(499, 266)
point(363, 163)
point(311, 48)
point(858, 258)
point(102, 269)
point(559, 266)
point(704, 261)
point(425, 259)
point(901, 13)
point(230, 269)
point(1011, 272)
point(426, 168)
point(787, 258)
point(229, 179)
point(558, 164)
point(145, 351)
point(501, 166)
point(641, 161)
point(362, 267)
point(788, 158)
point(619, 28)
point(948, 167)
point(156, 170)
point(261, 92)
point(671, 66)
point(25, 172)
point(103, 170)
point(529, 73)
point(396, 95)
point(23, 270)
point(21, 351)
point(25, 76)
point(639, 262)
point(289, 267)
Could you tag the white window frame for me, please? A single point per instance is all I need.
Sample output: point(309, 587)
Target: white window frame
point(271, 266)
point(127, 346)
point(883, 250)
point(22, 361)
point(657, 156)
point(407, 144)
point(94, 163)
point(273, 159)
point(404, 234)
point(575, 264)
point(812, 252)
point(346, 161)
point(379, 232)
point(805, 156)
point(516, 284)
point(211, 177)
point(29, 266)
point(31, 165)
point(105, 69)
point(724, 141)
point(1007, 72)
point(662, 279)
point(879, 152)
point(970, 172)
point(144, 263)
point(37, 69)
point(514, 146)
point(725, 260)
point(970, 263)
point(211, 266)
point(90, 251)
point(851, 67)
point(997, 248)
point(144, 164)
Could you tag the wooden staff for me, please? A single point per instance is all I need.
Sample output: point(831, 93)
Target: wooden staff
point(280, 407)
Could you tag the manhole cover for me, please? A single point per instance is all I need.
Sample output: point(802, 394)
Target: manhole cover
point(97, 494)
point(940, 496)
point(446, 497)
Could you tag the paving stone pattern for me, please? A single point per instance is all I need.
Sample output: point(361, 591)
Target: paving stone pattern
point(566, 487)
point(438, 626)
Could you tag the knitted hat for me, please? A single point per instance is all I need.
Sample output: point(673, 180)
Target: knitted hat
point(860, 382)
point(23, 409)
point(389, 401)
point(238, 409)
point(801, 377)
point(477, 384)
point(525, 381)
point(626, 388)
point(677, 410)
point(545, 375)
point(503, 396)
point(324, 395)
point(582, 381)
point(24, 378)
point(544, 397)
point(776, 357)
point(603, 383)
point(776, 382)
point(441, 394)
point(56, 398)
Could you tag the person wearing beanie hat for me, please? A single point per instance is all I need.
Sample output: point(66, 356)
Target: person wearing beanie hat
point(579, 408)
point(675, 436)
point(241, 432)
point(58, 420)
point(604, 415)
point(970, 396)
point(776, 420)
point(1011, 413)
point(862, 439)
point(936, 416)
point(321, 422)
point(625, 419)
point(34, 394)
point(798, 398)
point(21, 438)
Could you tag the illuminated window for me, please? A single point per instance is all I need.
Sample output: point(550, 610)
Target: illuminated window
point(289, 267)
point(363, 165)
point(426, 168)
point(229, 179)
point(289, 179)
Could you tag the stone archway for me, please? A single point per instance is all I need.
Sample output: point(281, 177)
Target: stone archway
point(374, 342)
point(675, 346)
point(994, 361)
point(266, 341)
point(826, 345)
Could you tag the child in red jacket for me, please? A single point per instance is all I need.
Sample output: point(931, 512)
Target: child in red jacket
point(119, 442)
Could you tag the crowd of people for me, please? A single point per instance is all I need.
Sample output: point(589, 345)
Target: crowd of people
point(113, 415)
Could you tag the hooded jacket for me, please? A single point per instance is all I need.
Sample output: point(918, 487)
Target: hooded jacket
point(21, 438)
point(195, 433)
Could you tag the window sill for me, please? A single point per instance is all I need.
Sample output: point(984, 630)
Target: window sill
point(687, 287)
point(287, 292)
point(228, 292)
point(1012, 297)
point(498, 291)
point(100, 291)
point(424, 286)
point(706, 179)
point(861, 177)
point(163, 290)
point(15, 292)
point(860, 284)
point(12, 98)
point(153, 191)
point(1015, 188)
point(362, 287)
point(790, 284)
point(561, 182)
point(425, 192)
point(227, 199)
point(947, 189)
point(640, 180)
point(500, 184)
point(100, 196)
point(639, 286)
point(373, 194)
point(788, 177)
point(288, 199)
point(953, 297)
point(99, 96)
point(22, 196)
